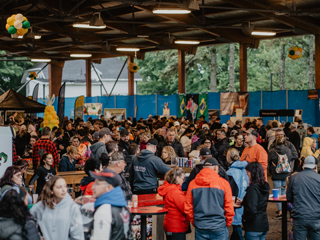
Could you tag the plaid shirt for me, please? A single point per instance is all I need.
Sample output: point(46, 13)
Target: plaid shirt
point(125, 186)
point(49, 147)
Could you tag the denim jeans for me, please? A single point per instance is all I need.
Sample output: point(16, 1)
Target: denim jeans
point(255, 235)
point(306, 228)
point(209, 234)
point(237, 233)
point(176, 236)
point(279, 184)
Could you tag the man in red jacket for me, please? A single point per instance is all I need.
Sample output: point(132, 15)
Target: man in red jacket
point(209, 204)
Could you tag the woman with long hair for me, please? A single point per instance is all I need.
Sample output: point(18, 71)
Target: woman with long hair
point(175, 222)
point(15, 219)
point(43, 173)
point(254, 218)
point(22, 140)
point(11, 178)
point(56, 213)
point(167, 153)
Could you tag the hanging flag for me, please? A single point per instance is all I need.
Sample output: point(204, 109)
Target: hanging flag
point(203, 106)
point(192, 106)
point(61, 104)
point(182, 105)
point(35, 98)
point(78, 107)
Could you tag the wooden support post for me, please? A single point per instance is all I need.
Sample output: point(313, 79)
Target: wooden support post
point(55, 77)
point(130, 77)
point(243, 68)
point(181, 71)
point(88, 78)
point(317, 60)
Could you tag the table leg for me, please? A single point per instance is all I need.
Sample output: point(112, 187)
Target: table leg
point(143, 227)
point(284, 221)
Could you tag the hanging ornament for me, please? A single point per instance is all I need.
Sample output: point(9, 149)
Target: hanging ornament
point(17, 25)
point(133, 67)
point(50, 118)
point(295, 53)
point(33, 75)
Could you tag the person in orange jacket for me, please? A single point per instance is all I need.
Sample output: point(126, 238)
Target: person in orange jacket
point(175, 222)
point(94, 165)
point(209, 204)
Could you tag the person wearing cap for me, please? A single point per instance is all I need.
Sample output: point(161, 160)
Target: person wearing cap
point(100, 147)
point(221, 145)
point(95, 137)
point(209, 204)
point(204, 154)
point(294, 137)
point(111, 217)
point(255, 152)
point(124, 141)
point(117, 164)
point(145, 167)
point(180, 130)
point(304, 192)
point(172, 142)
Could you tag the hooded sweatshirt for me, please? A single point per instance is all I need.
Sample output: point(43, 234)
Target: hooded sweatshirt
point(254, 218)
point(175, 220)
point(111, 218)
point(97, 149)
point(239, 175)
point(209, 204)
point(145, 168)
point(86, 185)
point(306, 149)
point(64, 222)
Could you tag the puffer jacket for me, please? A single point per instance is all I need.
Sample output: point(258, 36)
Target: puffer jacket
point(209, 204)
point(238, 172)
point(273, 161)
point(220, 147)
point(306, 149)
point(254, 218)
point(10, 230)
point(175, 220)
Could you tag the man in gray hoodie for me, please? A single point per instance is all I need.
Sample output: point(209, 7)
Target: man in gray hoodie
point(145, 166)
point(100, 147)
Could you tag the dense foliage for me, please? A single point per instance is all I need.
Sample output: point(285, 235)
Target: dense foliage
point(11, 73)
point(160, 75)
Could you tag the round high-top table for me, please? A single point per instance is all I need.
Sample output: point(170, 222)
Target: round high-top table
point(143, 212)
point(284, 201)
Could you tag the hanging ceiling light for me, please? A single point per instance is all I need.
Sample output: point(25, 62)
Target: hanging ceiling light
point(37, 36)
point(263, 33)
point(86, 25)
point(97, 21)
point(79, 55)
point(40, 60)
point(192, 42)
point(170, 11)
point(127, 49)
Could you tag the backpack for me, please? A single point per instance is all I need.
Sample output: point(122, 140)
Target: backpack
point(283, 165)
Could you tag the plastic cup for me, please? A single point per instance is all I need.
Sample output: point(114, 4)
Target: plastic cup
point(35, 198)
point(275, 193)
point(135, 200)
point(233, 199)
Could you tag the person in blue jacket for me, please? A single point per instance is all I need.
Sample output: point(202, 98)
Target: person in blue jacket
point(239, 181)
point(67, 162)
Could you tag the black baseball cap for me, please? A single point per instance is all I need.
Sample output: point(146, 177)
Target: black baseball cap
point(105, 131)
point(107, 175)
point(205, 151)
point(152, 141)
point(124, 132)
point(252, 131)
point(211, 162)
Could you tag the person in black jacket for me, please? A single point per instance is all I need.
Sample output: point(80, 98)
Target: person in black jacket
point(254, 218)
point(279, 179)
point(208, 143)
point(221, 145)
point(133, 150)
point(124, 141)
point(172, 142)
point(294, 137)
point(204, 154)
point(15, 219)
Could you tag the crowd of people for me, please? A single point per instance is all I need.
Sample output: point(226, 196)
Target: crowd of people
point(122, 158)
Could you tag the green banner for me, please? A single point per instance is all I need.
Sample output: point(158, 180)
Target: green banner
point(182, 105)
point(203, 106)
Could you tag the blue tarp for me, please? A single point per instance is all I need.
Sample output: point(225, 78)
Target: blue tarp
point(154, 104)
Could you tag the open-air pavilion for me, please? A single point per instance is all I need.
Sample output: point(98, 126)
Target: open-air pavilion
point(134, 24)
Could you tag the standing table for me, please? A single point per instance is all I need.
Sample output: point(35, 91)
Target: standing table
point(143, 212)
point(283, 200)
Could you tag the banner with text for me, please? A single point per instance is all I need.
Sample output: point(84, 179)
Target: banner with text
point(94, 109)
point(230, 101)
